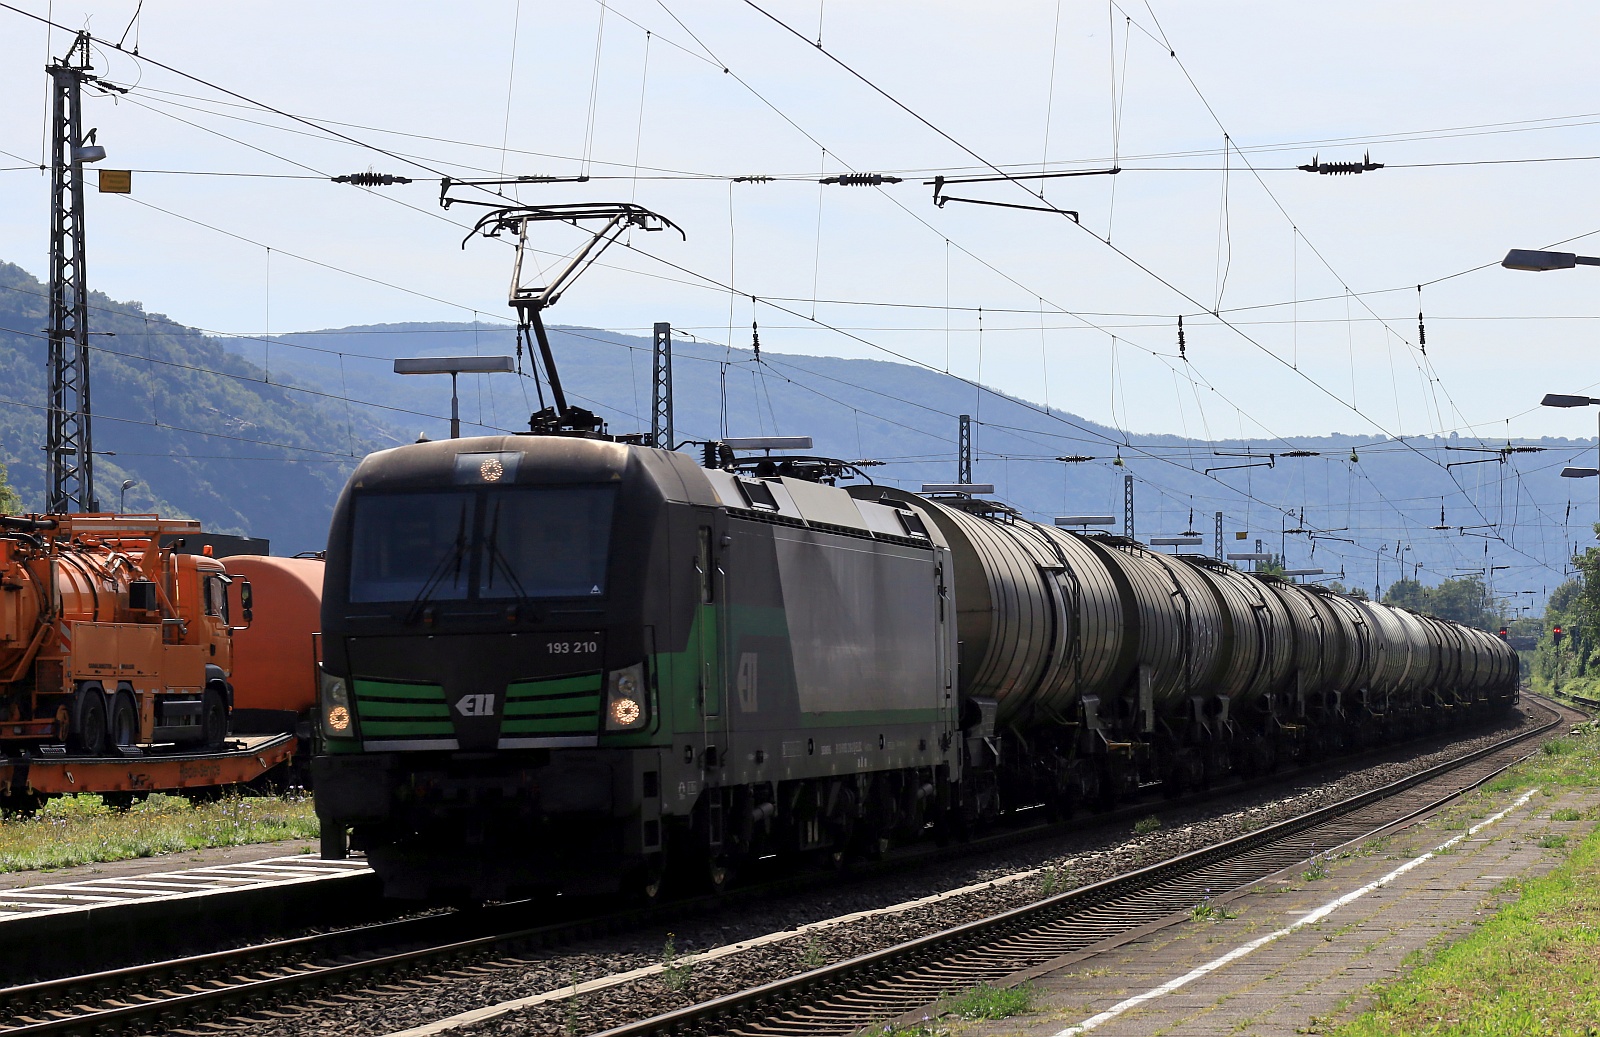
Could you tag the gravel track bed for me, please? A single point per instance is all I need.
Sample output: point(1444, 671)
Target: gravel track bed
point(1061, 863)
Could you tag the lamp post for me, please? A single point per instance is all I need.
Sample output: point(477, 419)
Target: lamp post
point(1557, 400)
point(122, 502)
point(1540, 261)
point(453, 366)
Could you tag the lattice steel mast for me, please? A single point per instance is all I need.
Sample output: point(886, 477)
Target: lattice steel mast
point(69, 445)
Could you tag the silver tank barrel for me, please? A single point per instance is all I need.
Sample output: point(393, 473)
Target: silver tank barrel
point(1317, 652)
point(1180, 623)
point(1040, 617)
point(1257, 647)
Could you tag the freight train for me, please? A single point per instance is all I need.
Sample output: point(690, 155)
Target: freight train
point(576, 663)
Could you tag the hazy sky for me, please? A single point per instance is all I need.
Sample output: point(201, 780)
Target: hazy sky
point(1455, 99)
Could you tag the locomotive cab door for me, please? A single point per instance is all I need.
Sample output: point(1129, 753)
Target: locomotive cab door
point(711, 618)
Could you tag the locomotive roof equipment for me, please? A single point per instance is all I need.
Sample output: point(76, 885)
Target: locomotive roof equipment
point(530, 301)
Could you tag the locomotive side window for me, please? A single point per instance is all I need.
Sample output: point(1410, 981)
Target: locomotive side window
point(408, 546)
point(702, 565)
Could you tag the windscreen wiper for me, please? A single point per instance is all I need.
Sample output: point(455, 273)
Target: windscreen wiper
point(450, 563)
point(498, 559)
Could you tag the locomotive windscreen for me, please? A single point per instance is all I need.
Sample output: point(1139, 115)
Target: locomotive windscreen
point(503, 543)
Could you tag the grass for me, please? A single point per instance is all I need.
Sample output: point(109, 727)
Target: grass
point(1206, 911)
point(1534, 966)
point(82, 829)
point(677, 970)
point(986, 1002)
point(1146, 825)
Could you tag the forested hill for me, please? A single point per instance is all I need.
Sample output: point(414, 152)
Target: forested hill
point(199, 428)
point(257, 437)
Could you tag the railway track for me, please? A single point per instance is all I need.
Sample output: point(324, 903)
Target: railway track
point(181, 991)
point(895, 982)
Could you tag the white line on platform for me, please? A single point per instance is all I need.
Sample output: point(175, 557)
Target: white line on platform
point(1313, 916)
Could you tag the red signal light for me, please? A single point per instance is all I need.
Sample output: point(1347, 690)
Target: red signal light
point(1555, 635)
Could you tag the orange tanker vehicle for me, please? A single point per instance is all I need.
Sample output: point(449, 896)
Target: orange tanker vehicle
point(275, 661)
point(115, 659)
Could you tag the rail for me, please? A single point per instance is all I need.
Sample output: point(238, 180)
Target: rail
point(974, 940)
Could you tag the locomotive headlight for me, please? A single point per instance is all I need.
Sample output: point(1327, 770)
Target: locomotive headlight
point(625, 712)
point(625, 701)
point(337, 721)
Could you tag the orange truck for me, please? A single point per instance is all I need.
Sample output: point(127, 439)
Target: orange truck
point(110, 644)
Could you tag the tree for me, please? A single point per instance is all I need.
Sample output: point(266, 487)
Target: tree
point(1408, 594)
point(1466, 601)
point(1349, 592)
point(10, 500)
point(1271, 566)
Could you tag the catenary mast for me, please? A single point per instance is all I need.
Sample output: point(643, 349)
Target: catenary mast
point(68, 443)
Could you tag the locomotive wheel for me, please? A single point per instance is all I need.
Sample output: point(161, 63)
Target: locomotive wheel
point(719, 876)
point(89, 734)
point(213, 720)
point(652, 881)
point(124, 721)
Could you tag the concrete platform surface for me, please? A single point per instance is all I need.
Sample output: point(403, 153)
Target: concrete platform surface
point(1302, 950)
point(108, 890)
point(161, 862)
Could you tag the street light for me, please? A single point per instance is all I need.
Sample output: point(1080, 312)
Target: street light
point(1538, 262)
point(1558, 400)
point(453, 366)
point(122, 505)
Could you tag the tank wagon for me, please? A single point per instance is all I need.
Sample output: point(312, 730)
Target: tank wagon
point(572, 662)
point(275, 669)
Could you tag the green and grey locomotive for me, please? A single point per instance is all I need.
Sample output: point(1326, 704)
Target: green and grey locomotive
point(570, 662)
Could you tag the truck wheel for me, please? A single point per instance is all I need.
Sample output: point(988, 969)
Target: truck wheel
point(124, 721)
point(213, 719)
point(89, 733)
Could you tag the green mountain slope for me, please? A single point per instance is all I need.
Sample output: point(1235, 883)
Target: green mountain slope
point(199, 428)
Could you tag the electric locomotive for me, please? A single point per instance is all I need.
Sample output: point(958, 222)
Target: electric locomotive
point(564, 661)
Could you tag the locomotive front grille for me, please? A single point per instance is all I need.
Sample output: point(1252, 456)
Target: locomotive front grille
point(564, 711)
point(396, 715)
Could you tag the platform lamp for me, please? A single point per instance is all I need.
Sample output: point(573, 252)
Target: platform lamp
point(453, 366)
point(122, 503)
point(1558, 400)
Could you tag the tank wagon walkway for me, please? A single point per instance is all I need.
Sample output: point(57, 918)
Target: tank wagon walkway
point(1282, 965)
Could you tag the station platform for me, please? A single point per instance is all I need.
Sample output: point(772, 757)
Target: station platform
point(1302, 951)
point(147, 911)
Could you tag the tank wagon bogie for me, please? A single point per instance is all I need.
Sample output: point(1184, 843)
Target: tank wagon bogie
point(569, 662)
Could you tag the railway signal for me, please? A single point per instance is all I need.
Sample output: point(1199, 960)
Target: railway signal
point(1555, 635)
